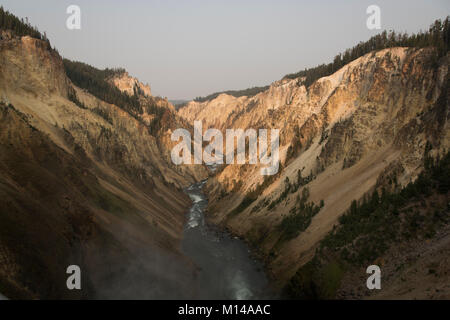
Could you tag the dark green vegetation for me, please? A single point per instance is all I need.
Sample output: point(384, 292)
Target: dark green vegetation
point(292, 187)
point(254, 194)
point(300, 216)
point(370, 227)
point(295, 146)
point(8, 21)
point(104, 114)
point(95, 82)
point(178, 104)
point(437, 36)
point(250, 92)
point(72, 95)
point(247, 201)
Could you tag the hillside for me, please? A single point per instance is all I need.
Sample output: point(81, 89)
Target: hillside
point(339, 138)
point(404, 230)
point(87, 179)
point(84, 181)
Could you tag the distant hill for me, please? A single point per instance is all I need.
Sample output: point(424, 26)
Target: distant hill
point(179, 103)
point(250, 92)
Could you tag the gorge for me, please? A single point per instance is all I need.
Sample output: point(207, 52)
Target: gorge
point(87, 178)
point(226, 269)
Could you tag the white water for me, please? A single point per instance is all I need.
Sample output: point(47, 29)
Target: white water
point(226, 269)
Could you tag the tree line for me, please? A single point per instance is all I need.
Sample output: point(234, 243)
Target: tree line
point(373, 224)
point(250, 92)
point(95, 82)
point(438, 35)
point(8, 21)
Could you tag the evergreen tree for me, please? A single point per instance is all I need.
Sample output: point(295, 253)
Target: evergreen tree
point(437, 36)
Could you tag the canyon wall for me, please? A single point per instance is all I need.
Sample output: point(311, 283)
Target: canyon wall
point(340, 138)
point(84, 182)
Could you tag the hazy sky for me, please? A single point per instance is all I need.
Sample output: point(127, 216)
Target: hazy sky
point(189, 48)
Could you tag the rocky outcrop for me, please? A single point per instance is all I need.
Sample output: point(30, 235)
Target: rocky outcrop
point(20, 61)
point(376, 113)
point(125, 83)
point(82, 183)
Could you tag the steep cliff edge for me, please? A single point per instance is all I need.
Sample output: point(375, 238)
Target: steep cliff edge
point(126, 83)
point(84, 182)
point(341, 137)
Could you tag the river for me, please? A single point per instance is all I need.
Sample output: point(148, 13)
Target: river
point(226, 268)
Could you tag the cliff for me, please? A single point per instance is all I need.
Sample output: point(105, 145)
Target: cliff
point(340, 138)
point(83, 182)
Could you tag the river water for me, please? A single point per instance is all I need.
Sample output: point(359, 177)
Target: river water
point(226, 269)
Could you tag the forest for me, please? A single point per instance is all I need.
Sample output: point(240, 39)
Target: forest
point(437, 36)
point(8, 21)
point(250, 92)
point(373, 225)
point(95, 82)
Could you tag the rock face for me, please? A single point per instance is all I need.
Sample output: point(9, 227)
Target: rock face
point(125, 83)
point(91, 186)
point(346, 133)
point(24, 57)
point(84, 182)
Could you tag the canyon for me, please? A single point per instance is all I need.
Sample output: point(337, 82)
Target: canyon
point(87, 178)
point(348, 132)
point(85, 185)
point(215, 152)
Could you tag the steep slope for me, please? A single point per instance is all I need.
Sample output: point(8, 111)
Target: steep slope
point(83, 182)
point(130, 85)
point(340, 137)
point(404, 231)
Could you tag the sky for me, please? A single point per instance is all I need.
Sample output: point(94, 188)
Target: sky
point(190, 48)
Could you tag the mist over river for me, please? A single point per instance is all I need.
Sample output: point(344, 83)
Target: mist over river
point(221, 266)
point(226, 269)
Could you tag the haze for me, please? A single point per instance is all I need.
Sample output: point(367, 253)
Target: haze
point(185, 49)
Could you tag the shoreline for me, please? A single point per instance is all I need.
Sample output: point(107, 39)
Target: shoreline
point(254, 252)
